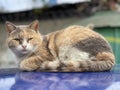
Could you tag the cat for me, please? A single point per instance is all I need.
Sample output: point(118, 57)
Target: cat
point(73, 49)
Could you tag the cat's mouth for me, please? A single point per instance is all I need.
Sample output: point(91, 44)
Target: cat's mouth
point(24, 51)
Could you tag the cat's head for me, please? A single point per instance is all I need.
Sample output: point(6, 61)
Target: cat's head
point(23, 39)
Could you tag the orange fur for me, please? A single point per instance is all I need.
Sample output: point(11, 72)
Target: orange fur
point(74, 49)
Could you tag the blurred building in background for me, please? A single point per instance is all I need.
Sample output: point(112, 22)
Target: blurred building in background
point(16, 10)
point(10, 6)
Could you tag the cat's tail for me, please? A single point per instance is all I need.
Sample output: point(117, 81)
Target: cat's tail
point(104, 61)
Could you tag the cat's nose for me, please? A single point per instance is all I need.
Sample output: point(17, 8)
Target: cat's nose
point(24, 46)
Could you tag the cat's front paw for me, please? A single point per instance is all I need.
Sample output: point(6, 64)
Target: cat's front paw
point(27, 66)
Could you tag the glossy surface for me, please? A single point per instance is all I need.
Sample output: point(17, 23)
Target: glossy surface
point(60, 81)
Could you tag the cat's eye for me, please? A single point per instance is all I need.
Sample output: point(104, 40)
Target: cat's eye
point(29, 39)
point(16, 39)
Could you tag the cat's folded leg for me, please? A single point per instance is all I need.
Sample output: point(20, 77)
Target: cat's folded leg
point(104, 61)
point(30, 64)
point(70, 66)
point(51, 66)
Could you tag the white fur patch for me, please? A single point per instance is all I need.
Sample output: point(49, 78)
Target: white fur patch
point(72, 53)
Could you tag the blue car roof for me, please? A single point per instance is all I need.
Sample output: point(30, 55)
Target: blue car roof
point(13, 79)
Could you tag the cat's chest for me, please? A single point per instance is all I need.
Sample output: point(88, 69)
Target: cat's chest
point(72, 53)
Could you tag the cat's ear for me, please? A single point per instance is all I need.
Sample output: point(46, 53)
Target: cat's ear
point(34, 25)
point(90, 26)
point(10, 26)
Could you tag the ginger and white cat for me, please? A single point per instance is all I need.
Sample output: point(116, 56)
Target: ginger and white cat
point(73, 49)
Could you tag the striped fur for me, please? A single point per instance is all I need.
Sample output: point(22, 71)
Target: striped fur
point(74, 49)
